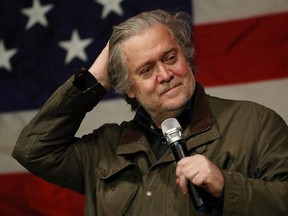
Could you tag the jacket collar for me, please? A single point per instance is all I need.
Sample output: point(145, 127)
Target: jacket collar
point(200, 116)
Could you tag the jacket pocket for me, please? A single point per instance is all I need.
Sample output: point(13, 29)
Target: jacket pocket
point(116, 188)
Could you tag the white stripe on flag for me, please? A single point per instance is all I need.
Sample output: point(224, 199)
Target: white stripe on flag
point(270, 93)
point(211, 11)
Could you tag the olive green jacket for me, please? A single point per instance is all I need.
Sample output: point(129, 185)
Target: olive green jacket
point(119, 174)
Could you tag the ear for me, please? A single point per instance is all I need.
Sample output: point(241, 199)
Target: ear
point(130, 94)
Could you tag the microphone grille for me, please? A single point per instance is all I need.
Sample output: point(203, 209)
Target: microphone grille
point(168, 124)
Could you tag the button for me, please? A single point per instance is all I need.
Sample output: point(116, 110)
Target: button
point(214, 212)
point(149, 193)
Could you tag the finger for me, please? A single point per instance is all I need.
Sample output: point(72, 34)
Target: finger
point(199, 179)
point(182, 182)
point(184, 165)
point(211, 180)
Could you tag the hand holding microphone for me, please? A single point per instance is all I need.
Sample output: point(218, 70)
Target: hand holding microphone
point(197, 167)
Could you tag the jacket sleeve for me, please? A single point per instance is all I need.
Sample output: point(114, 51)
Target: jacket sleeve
point(266, 192)
point(46, 146)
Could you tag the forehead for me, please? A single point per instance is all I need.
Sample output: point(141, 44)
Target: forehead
point(148, 44)
point(156, 31)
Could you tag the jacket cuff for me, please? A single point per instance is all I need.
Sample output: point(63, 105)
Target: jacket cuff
point(87, 83)
point(235, 201)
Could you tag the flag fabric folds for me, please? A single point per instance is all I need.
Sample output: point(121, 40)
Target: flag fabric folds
point(241, 51)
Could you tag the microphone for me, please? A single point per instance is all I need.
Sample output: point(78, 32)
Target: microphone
point(171, 130)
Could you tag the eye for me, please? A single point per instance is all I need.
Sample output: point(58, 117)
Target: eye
point(146, 71)
point(170, 59)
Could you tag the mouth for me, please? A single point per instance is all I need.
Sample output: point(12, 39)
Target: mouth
point(170, 89)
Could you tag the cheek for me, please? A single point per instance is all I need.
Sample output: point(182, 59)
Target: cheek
point(143, 88)
point(183, 69)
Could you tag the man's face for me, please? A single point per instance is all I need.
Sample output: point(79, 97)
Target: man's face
point(161, 79)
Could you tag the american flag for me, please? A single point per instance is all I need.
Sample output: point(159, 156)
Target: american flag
point(241, 52)
point(43, 41)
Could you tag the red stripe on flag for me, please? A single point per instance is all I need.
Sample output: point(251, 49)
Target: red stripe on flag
point(242, 51)
point(34, 196)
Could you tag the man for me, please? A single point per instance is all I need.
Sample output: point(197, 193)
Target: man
point(238, 150)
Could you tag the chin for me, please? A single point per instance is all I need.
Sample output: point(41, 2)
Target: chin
point(176, 105)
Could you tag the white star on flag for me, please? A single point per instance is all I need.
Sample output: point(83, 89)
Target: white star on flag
point(5, 56)
point(36, 14)
point(75, 47)
point(110, 6)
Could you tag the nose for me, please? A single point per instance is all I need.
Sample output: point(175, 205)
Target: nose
point(164, 73)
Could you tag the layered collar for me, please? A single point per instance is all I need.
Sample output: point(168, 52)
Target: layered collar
point(195, 119)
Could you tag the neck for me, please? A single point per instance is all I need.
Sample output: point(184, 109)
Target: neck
point(158, 118)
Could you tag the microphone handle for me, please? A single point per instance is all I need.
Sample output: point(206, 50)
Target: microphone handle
point(180, 151)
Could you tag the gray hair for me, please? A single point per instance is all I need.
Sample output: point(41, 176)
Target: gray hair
point(180, 24)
